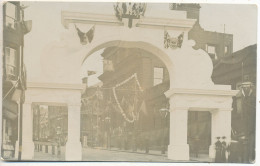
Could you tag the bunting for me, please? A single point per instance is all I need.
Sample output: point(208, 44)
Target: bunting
point(131, 102)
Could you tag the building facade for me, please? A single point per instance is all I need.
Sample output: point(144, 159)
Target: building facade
point(14, 75)
point(216, 44)
point(90, 114)
point(239, 70)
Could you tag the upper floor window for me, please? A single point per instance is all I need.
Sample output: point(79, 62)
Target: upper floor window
point(11, 15)
point(211, 51)
point(157, 75)
point(10, 63)
point(108, 65)
point(226, 50)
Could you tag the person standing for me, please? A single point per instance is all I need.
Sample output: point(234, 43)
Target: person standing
point(223, 150)
point(196, 146)
point(218, 147)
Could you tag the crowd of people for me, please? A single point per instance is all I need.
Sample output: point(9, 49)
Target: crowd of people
point(221, 150)
point(232, 152)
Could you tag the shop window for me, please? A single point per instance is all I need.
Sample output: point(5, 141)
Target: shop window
point(157, 75)
point(11, 16)
point(211, 50)
point(11, 63)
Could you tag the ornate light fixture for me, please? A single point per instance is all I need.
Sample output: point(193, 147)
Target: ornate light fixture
point(164, 112)
point(129, 10)
point(247, 88)
point(107, 119)
point(246, 85)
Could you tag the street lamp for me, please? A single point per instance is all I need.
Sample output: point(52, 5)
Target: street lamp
point(164, 113)
point(59, 132)
point(107, 119)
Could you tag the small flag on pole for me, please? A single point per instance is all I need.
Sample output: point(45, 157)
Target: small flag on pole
point(91, 72)
point(143, 108)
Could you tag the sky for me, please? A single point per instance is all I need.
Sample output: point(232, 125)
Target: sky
point(239, 20)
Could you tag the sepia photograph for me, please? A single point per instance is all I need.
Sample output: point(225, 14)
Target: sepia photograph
point(128, 81)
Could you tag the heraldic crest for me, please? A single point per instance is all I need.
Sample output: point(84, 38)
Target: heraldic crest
point(173, 42)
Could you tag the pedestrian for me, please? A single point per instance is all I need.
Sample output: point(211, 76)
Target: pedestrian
point(218, 148)
point(196, 146)
point(223, 150)
point(146, 143)
point(233, 150)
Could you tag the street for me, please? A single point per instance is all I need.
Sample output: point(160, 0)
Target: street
point(97, 154)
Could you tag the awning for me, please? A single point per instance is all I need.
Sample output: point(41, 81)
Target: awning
point(10, 109)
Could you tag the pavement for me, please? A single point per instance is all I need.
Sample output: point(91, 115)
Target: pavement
point(100, 154)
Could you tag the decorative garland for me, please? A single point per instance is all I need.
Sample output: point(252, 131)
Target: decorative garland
point(118, 104)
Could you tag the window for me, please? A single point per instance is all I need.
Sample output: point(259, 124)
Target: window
point(157, 75)
point(226, 50)
point(211, 51)
point(10, 63)
point(10, 18)
point(21, 15)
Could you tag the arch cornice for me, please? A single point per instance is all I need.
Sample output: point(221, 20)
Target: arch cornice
point(68, 17)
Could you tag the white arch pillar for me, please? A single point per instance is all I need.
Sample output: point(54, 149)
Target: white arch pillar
point(178, 148)
point(73, 145)
point(220, 126)
point(27, 133)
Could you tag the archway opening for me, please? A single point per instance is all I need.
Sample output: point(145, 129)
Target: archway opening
point(50, 129)
point(127, 110)
point(199, 133)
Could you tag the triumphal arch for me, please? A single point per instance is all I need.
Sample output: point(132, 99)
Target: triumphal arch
point(160, 31)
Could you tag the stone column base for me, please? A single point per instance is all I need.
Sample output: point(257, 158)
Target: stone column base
point(178, 152)
point(16, 152)
point(212, 152)
point(73, 151)
point(27, 150)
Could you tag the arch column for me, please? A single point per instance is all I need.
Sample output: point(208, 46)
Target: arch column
point(73, 145)
point(27, 132)
point(220, 126)
point(178, 148)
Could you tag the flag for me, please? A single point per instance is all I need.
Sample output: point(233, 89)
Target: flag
point(108, 65)
point(123, 101)
point(91, 72)
point(130, 109)
point(143, 108)
point(87, 37)
point(180, 39)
